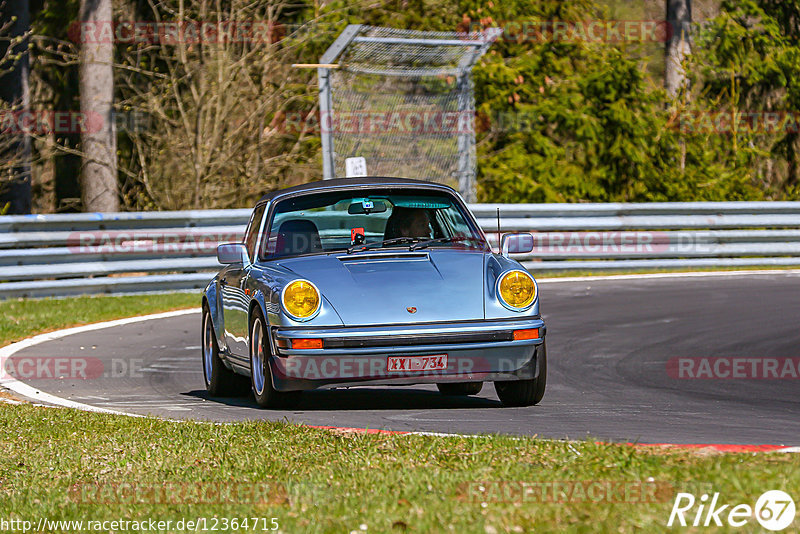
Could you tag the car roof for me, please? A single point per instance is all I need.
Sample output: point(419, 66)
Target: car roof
point(350, 182)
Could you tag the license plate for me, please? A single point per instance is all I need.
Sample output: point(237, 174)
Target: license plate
point(403, 364)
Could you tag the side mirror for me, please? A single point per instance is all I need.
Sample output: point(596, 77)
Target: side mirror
point(519, 243)
point(232, 253)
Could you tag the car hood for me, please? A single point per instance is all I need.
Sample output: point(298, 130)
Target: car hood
point(370, 288)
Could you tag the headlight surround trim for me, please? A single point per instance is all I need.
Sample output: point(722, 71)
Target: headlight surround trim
point(299, 318)
point(503, 301)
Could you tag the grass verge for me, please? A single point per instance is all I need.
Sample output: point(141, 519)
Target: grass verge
point(66, 465)
point(23, 318)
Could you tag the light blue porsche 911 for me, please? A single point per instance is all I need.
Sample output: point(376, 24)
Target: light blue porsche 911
point(371, 281)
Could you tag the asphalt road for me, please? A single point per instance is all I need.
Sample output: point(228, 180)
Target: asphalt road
point(609, 347)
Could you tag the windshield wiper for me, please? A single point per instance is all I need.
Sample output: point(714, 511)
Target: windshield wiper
point(393, 241)
point(429, 242)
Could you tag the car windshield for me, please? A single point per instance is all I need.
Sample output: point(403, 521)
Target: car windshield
point(354, 221)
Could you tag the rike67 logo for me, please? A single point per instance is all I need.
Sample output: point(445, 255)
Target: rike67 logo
point(774, 510)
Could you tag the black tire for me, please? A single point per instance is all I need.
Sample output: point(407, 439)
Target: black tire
point(261, 383)
point(460, 388)
point(525, 392)
point(222, 382)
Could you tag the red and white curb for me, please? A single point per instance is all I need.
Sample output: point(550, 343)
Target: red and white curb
point(12, 384)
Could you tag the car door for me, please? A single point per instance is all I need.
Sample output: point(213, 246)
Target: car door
point(235, 303)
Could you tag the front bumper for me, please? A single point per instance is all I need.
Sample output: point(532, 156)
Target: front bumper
point(476, 351)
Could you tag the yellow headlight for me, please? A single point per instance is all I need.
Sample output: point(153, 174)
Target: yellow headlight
point(301, 299)
point(517, 289)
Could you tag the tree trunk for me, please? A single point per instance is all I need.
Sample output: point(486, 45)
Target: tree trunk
point(67, 164)
point(15, 149)
point(99, 189)
point(678, 46)
point(793, 171)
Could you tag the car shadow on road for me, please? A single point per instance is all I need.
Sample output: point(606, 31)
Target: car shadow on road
point(372, 398)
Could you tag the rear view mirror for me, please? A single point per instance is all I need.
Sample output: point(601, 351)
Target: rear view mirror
point(365, 207)
point(232, 253)
point(518, 243)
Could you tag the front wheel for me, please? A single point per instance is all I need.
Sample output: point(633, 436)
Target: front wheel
point(460, 388)
point(260, 376)
point(525, 392)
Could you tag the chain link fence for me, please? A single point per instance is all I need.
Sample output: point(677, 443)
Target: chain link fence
point(403, 100)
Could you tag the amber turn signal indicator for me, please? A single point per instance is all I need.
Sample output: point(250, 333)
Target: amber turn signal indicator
point(530, 333)
point(306, 343)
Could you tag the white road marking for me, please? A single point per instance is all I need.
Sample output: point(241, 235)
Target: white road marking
point(153, 401)
point(160, 404)
point(693, 274)
point(32, 393)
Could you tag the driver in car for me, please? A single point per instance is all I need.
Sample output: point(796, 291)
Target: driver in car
point(409, 222)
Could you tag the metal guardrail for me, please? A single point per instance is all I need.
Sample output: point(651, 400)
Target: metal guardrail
point(67, 254)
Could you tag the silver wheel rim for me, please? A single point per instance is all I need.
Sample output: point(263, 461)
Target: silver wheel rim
point(257, 357)
point(208, 348)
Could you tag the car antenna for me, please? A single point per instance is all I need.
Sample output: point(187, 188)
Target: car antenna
point(499, 238)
